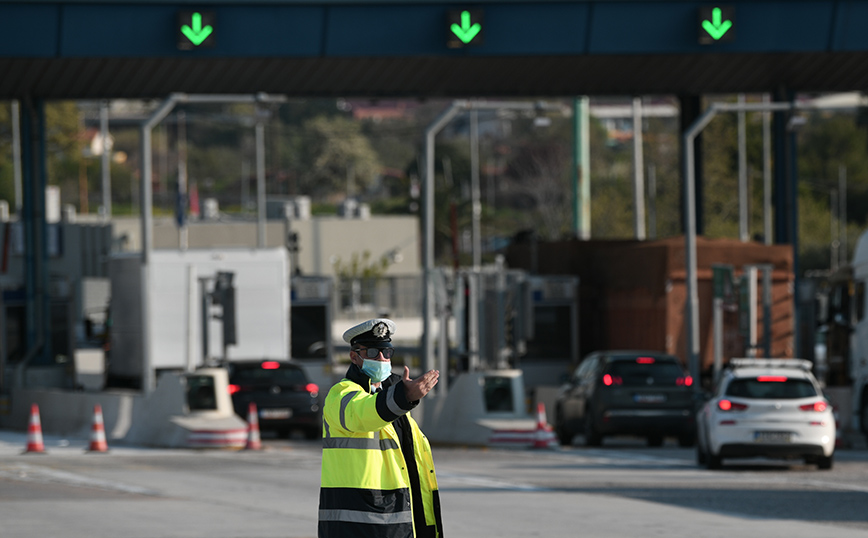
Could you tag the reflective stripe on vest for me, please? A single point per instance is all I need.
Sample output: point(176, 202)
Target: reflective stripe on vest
point(355, 516)
point(360, 443)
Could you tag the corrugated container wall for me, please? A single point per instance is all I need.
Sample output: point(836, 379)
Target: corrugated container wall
point(633, 292)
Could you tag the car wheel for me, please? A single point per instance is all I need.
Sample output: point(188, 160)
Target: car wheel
point(701, 456)
point(825, 462)
point(592, 436)
point(863, 413)
point(713, 461)
point(565, 437)
point(312, 433)
point(655, 440)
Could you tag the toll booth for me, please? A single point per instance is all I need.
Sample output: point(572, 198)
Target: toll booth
point(508, 319)
point(552, 344)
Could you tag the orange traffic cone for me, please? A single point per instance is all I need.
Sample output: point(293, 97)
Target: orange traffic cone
point(34, 432)
point(254, 442)
point(97, 433)
point(543, 436)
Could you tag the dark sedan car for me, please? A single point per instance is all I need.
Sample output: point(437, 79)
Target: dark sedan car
point(641, 393)
point(285, 398)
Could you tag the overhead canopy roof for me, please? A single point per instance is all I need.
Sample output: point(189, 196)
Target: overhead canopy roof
point(123, 49)
point(77, 78)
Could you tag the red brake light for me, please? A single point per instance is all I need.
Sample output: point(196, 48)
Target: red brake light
point(685, 381)
point(608, 380)
point(727, 405)
point(645, 360)
point(312, 388)
point(233, 389)
point(818, 407)
point(270, 365)
point(771, 378)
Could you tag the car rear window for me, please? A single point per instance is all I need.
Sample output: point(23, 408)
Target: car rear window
point(633, 374)
point(754, 387)
point(286, 375)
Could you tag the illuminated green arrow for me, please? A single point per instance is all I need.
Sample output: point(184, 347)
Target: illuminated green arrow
point(197, 34)
point(466, 32)
point(716, 28)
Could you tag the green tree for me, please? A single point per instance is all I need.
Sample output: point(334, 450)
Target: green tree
point(335, 157)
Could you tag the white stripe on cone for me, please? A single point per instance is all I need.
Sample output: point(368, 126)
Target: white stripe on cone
point(34, 431)
point(254, 441)
point(97, 434)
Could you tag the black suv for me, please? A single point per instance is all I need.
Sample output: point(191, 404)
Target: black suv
point(285, 398)
point(642, 393)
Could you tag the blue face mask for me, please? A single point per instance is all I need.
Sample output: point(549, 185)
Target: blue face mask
point(377, 370)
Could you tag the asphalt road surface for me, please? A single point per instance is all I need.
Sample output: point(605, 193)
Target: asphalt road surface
point(622, 489)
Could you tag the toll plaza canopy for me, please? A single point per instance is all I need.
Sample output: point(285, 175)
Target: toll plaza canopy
point(135, 49)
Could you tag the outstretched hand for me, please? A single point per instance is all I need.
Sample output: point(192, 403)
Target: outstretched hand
point(416, 389)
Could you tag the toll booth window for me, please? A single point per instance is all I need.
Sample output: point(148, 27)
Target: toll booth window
point(552, 333)
point(309, 332)
point(859, 300)
point(200, 393)
point(498, 394)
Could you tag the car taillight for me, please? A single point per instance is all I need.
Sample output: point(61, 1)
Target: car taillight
point(817, 407)
point(685, 381)
point(608, 380)
point(727, 405)
point(233, 389)
point(270, 365)
point(645, 360)
point(771, 378)
point(312, 388)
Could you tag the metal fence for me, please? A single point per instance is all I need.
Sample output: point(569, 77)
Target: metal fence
point(392, 296)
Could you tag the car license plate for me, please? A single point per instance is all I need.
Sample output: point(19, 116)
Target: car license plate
point(275, 414)
point(772, 437)
point(649, 398)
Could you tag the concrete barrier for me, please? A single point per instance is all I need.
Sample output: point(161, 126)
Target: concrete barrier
point(481, 409)
point(163, 418)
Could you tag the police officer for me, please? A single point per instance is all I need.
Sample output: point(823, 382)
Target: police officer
point(377, 471)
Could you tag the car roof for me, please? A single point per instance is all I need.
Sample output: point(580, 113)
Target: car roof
point(630, 354)
point(795, 368)
point(253, 363)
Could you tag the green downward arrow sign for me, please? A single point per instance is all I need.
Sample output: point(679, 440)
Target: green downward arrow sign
point(716, 28)
point(197, 34)
point(467, 31)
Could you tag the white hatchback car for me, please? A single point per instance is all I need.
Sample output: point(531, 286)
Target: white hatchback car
point(770, 408)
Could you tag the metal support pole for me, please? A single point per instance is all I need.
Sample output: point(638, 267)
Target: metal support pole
point(146, 204)
point(260, 179)
point(473, 291)
point(692, 300)
point(205, 305)
point(581, 168)
point(717, 314)
point(16, 154)
point(652, 202)
point(750, 275)
point(834, 242)
point(743, 228)
point(767, 174)
point(183, 237)
point(428, 227)
point(105, 161)
point(842, 214)
point(767, 310)
point(474, 189)
point(638, 171)
point(431, 131)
